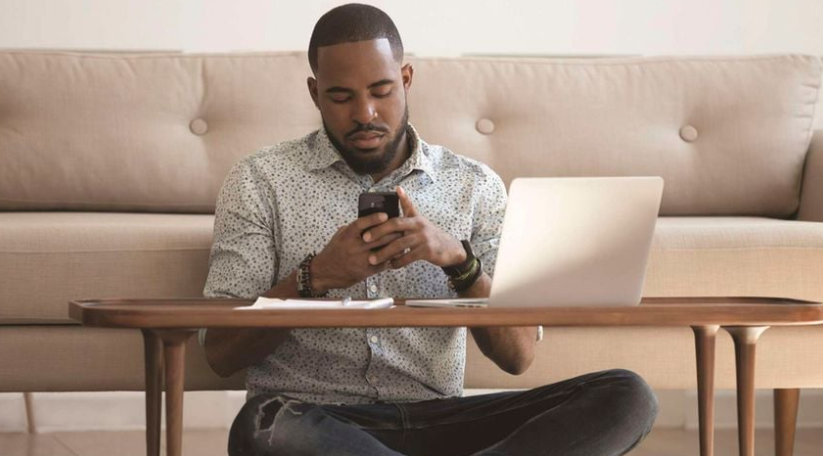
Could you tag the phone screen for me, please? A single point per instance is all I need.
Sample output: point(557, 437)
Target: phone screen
point(370, 203)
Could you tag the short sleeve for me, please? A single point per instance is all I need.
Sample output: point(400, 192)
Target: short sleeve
point(243, 260)
point(490, 207)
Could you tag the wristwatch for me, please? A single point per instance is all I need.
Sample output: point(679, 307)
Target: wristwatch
point(464, 275)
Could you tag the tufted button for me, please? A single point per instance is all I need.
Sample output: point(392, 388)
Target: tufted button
point(689, 133)
point(485, 126)
point(199, 127)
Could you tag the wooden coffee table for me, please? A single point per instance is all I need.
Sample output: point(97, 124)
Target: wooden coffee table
point(168, 323)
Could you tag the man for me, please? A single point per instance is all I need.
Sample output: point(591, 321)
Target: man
point(384, 391)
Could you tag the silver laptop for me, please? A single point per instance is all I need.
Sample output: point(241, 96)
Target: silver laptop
point(573, 242)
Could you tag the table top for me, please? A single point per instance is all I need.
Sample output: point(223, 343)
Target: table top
point(186, 313)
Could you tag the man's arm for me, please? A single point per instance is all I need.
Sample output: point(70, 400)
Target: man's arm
point(341, 264)
point(230, 350)
point(243, 247)
point(510, 347)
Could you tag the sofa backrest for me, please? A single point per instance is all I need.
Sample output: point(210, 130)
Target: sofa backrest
point(160, 132)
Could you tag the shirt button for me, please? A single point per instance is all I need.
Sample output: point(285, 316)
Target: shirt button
point(373, 288)
point(373, 339)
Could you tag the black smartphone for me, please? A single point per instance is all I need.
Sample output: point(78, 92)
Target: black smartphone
point(370, 203)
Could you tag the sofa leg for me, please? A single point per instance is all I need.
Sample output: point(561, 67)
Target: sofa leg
point(31, 425)
point(785, 420)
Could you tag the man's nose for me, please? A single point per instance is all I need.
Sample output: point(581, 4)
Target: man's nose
point(364, 112)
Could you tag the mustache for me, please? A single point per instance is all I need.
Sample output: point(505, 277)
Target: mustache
point(362, 128)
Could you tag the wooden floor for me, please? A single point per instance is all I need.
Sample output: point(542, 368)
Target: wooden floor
point(661, 442)
point(668, 442)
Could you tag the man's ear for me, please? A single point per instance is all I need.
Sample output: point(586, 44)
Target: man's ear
point(312, 85)
point(407, 72)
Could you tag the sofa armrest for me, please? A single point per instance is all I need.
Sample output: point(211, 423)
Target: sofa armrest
point(811, 197)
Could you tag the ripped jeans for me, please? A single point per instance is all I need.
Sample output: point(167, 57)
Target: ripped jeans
point(599, 414)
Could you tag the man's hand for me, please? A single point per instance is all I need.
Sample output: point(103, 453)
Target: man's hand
point(412, 238)
point(345, 259)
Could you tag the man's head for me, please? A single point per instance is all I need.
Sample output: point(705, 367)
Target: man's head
point(360, 85)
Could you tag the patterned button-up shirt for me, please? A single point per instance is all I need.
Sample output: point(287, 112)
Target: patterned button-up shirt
point(285, 201)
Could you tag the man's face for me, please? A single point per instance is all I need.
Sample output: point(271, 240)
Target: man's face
point(361, 93)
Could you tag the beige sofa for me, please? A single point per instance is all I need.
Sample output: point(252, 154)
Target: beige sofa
point(110, 166)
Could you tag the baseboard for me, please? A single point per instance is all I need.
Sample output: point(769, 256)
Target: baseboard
point(113, 411)
point(12, 413)
point(216, 409)
point(809, 414)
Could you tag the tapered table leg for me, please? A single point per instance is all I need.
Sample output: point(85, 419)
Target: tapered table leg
point(785, 420)
point(745, 342)
point(704, 344)
point(31, 420)
point(153, 353)
point(174, 350)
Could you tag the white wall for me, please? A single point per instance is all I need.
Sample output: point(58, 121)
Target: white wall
point(429, 27)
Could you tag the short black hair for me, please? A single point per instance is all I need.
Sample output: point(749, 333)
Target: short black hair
point(350, 23)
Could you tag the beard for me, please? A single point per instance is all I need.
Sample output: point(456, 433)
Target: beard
point(375, 162)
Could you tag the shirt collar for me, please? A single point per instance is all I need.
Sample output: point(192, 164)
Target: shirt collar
point(324, 154)
point(420, 158)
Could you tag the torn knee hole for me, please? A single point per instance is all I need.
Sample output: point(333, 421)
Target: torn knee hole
point(270, 411)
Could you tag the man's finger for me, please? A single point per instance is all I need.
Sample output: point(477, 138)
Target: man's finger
point(395, 225)
point(407, 259)
point(379, 268)
point(364, 223)
point(406, 203)
point(390, 251)
point(385, 240)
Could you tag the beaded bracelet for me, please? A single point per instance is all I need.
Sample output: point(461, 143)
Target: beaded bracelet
point(304, 287)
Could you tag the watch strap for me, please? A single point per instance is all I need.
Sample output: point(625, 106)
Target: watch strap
point(460, 269)
point(465, 274)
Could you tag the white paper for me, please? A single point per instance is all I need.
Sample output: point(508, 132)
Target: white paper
point(273, 303)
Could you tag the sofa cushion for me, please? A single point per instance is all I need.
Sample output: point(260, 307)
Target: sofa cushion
point(728, 134)
point(150, 132)
point(48, 258)
point(736, 256)
point(160, 132)
point(74, 358)
point(100, 359)
point(787, 357)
